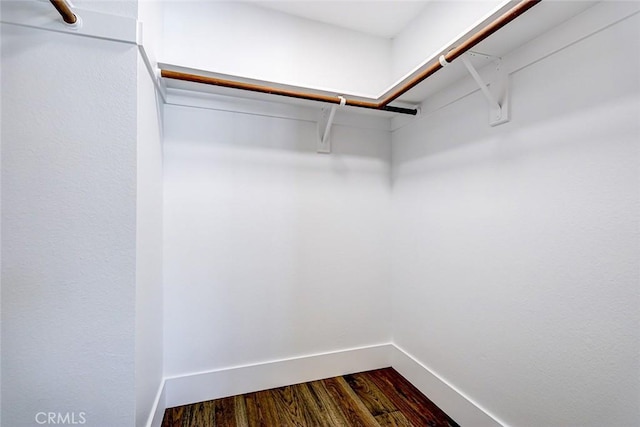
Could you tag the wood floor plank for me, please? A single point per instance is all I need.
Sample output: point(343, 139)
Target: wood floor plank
point(287, 406)
point(226, 411)
point(393, 419)
point(173, 417)
point(253, 409)
point(421, 401)
point(331, 415)
point(354, 411)
point(292, 407)
point(375, 401)
point(414, 405)
point(201, 414)
point(240, 406)
point(261, 409)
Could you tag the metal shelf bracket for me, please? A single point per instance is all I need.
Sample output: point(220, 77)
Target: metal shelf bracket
point(496, 92)
point(324, 126)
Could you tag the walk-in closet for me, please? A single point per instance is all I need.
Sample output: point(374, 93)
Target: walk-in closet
point(320, 213)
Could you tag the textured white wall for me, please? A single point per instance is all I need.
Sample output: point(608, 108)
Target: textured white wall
point(69, 218)
point(245, 40)
point(271, 250)
point(515, 254)
point(149, 309)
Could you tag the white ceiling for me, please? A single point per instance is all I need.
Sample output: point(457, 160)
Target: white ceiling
point(384, 18)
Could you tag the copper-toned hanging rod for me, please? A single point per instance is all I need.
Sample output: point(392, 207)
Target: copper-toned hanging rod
point(451, 55)
point(65, 11)
point(464, 47)
point(331, 99)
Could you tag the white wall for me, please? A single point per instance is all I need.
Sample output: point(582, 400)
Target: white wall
point(149, 308)
point(0, 223)
point(151, 14)
point(245, 40)
point(69, 227)
point(149, 288)
point(127, 8)
point(439, 23)
point(515, 252)
point(271, 250)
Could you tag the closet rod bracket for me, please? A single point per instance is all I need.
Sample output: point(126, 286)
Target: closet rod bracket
point(324, 126)
point(496, 92)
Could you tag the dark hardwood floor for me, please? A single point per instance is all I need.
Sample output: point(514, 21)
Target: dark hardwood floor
point(380, 398)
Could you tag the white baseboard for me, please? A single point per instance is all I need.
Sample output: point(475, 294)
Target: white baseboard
point(159, 406)
point(453, 402)
point(203, 386)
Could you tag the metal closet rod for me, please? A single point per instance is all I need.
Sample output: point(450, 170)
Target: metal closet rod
point(64, 10)
point(383, 104)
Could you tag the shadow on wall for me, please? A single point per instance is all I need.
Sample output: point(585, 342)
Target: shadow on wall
point(446, 148)
point(549, 91)
point(255, 132)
